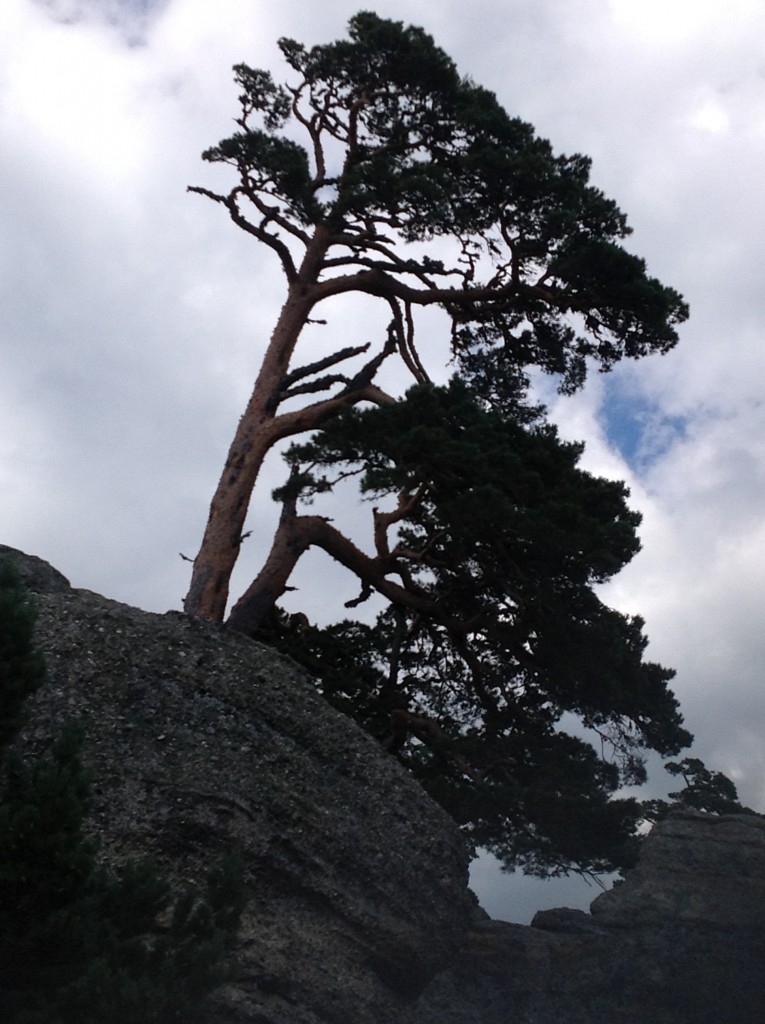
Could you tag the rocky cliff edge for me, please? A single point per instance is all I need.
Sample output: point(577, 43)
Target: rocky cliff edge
point(359, 913)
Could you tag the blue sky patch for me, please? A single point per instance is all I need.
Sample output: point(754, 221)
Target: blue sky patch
point(637, 427)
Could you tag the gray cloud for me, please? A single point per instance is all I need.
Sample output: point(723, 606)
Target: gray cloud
point(132, 311)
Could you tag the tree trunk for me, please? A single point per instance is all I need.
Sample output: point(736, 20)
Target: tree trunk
point(294, 535)
point(289, 543)
point(255, 435)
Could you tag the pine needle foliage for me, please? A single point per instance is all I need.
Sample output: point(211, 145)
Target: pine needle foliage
point(377, 171)
point(499, 676)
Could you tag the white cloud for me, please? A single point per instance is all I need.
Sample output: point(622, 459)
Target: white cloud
point(132, 311)
point(677, 23)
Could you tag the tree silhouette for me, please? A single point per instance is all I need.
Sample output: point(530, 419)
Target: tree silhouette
point(496, 673)
point(412, 187)
point(497, 665)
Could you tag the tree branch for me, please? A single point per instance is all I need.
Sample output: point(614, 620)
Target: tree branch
point(272, 241)
point(377, 282)
point(270, 213)
point(294, 535)
point(311, 416)
point(302, 372)
point(384, 520)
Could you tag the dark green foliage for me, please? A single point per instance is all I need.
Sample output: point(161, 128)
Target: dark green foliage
point(77, 944)
point(506, 537)
point(704, 790)
point(21, 667)
point(400, 148)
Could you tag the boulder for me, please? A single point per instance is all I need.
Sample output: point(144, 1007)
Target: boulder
point(680, 941)
point(201, 740)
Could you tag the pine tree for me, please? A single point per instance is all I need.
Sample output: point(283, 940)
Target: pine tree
point(496, 673)
point(704, 790)
point(402, 182)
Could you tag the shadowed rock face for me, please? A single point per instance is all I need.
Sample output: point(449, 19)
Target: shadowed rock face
point(199, 740)
point(38, 575)
point(359, 913)
point(680, 941)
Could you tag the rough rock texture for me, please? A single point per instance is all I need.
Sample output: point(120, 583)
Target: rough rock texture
point(680, 941)
point(200, 739)
point(38, 575)
point(359, 910)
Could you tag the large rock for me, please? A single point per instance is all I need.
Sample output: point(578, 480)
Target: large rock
point(199, 740)
point(359, 911)
point(680, 941)
point(38, 576)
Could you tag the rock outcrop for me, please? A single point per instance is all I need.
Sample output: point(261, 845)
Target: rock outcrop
point(680, 941)
point(200, 739)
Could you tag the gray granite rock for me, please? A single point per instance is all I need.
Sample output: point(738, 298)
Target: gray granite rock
point(38, 576)
point(680, 941)
point(200, 739)
point(359, 913)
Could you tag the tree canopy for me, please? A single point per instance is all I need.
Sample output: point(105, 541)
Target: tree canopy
point(496, 672)
point(497, 664)
point(412, 186)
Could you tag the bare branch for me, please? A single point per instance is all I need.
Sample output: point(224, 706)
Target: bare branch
point(272, 213)
point(313, 387)
point(402, 328)
point(366, 592)
point(288, 424)
point(313, 127)
point(259, 232)
point(384, 520)
point(358, 388)
point(322, 364)
point(420, 373)
point(390, 264)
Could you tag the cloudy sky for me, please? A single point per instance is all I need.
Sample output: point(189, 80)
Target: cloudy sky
point(133, 313)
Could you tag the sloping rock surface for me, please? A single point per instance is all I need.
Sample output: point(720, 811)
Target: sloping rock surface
point(200, 740)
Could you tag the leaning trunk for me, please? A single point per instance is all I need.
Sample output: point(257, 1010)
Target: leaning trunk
point(255, 605)
point(255, 435)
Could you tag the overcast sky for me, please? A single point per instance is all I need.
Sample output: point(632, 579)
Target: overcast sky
point(133, 313)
